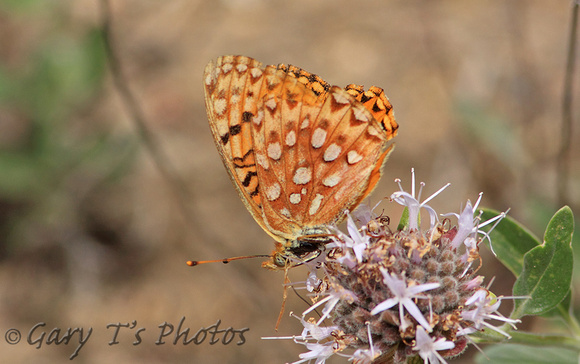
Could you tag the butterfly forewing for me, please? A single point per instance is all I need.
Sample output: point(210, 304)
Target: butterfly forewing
point(299, 151)
point(232, 134)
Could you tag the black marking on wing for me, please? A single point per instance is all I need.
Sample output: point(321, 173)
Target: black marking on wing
point(239, 162)
point(247, 117)
point(364, 98)
point(234, 130)
point(248, 179)
point(244, 165)
point(241, 159)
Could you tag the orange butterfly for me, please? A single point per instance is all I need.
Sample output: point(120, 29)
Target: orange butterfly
point(299, 151)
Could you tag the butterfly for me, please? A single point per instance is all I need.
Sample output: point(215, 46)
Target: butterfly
point(299, 151)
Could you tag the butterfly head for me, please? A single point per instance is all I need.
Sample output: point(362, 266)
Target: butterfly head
point(296, 252)
point(279, 259)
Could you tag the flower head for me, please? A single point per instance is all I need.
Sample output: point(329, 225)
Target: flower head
point(407, 292)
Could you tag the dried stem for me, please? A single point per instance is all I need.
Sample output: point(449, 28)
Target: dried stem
point(206, 243)
point(563, 161)
point(137, 115)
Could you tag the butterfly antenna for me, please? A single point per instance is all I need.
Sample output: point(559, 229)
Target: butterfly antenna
point(193, 263)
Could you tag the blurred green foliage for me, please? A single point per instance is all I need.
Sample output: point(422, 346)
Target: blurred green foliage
point(61, 150)
point(501, 140)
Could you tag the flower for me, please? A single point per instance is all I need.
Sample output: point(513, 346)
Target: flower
point(428, 347)
point(366, 355)
point(354, 243)
point(485, 306)
point(313, 331)
point(334, 296)
point(404, 296)
point(414, 206)
point(318, 351)
point(400, 293)
point(466, 227)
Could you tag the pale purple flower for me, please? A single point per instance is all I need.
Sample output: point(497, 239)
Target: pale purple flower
point(356, 242)
point(335, 294)
point(312, 282)
point(404, 296)
point(318, 351)
point(413, 205)
point(365, 356)
point(486, 306)
point(469, 226)
point(474, 283)
point(313, 331)
point(428, 346)
point(359, 242)
point(466, 226)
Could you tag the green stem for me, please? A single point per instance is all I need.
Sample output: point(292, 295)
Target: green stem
point(544, 340)
point(570, 320)
point(526, 338)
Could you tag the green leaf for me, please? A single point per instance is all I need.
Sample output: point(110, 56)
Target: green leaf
point(509, 354)
point(563, 306)
point(510, 241)
point(547, 271)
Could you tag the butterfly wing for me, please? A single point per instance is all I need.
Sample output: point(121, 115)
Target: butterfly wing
point(298, 151)
point(229, 83)
point(280, 136)
point(239, 93)
point(377, 103)
point(317, 154)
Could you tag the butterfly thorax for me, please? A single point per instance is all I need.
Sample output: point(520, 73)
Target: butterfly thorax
point(298, 251)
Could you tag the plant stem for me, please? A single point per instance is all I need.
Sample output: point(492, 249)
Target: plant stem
point(563, 159)
point(544, 340)
point(570, 320)
point(526, 338)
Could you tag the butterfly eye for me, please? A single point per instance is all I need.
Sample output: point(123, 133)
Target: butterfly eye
point(280, 260)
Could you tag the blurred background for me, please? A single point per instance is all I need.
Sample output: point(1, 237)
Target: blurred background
point(94, 232)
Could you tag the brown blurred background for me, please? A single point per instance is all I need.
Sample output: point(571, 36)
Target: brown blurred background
point(93, 233)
